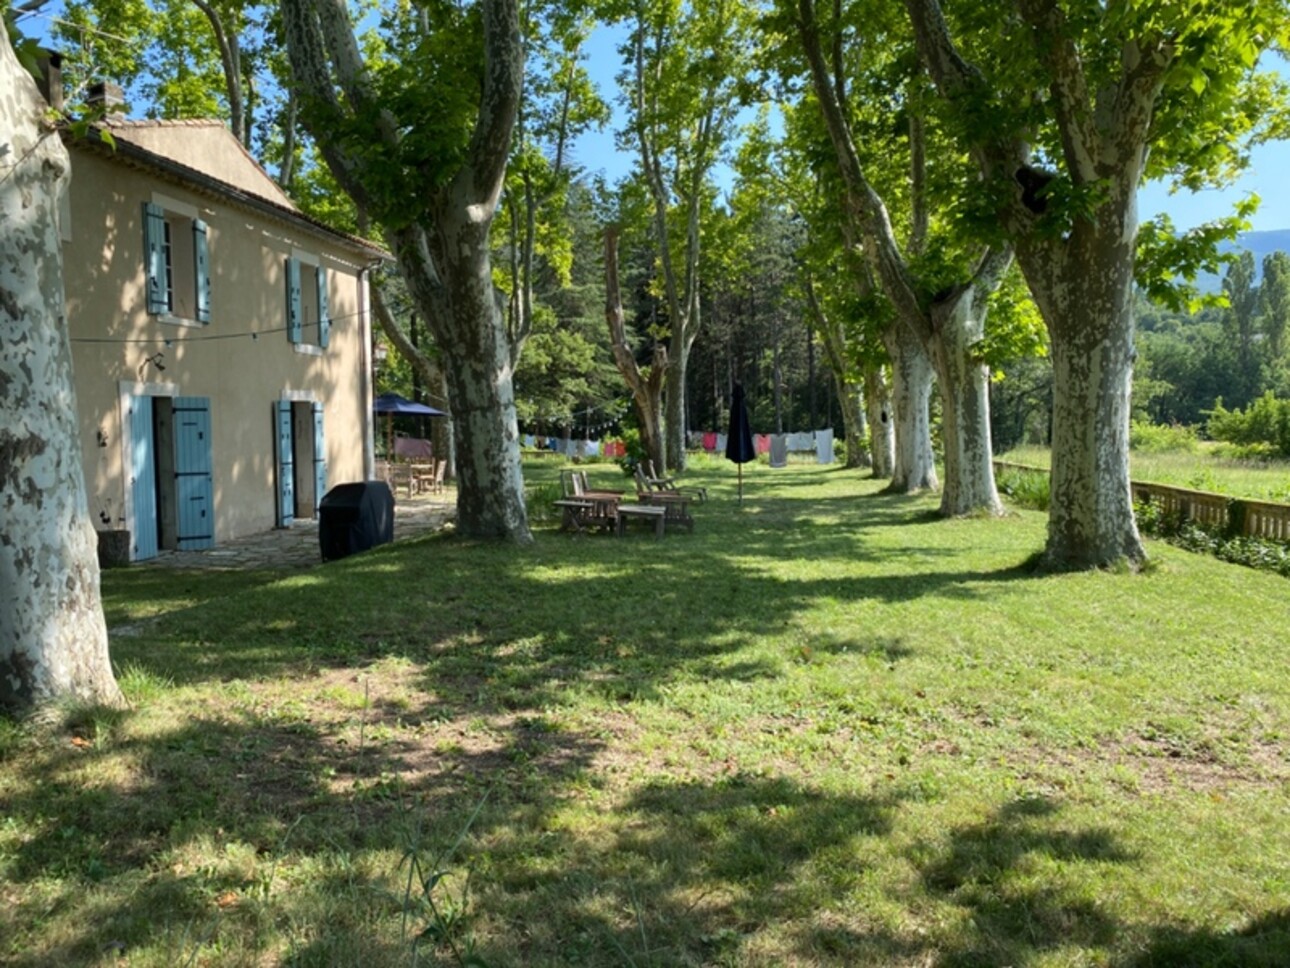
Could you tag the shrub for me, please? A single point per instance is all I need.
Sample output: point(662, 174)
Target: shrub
point(1160, 439)
point(1027, 489)
point(635, 451)
point(1221, 543)
point(539, 501)
point(1263, 427)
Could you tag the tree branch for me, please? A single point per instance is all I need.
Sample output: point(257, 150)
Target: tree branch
point(1072, 104)
point(499, 103)
point(865, 204)
point(230, 59)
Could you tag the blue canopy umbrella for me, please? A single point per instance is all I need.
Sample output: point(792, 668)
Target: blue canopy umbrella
point(390, 404)
point(739, 442)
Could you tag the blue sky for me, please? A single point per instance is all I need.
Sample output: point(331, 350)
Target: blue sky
point(1268, 176)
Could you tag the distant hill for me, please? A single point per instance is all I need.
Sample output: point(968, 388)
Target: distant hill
point(1260, 243)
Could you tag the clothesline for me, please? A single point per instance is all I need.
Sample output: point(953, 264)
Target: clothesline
point(777, 446)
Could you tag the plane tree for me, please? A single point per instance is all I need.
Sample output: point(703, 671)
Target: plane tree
point(938, 281)
point(418, 133)
point(1066, 107)
point(681, 110)
point(53, 638)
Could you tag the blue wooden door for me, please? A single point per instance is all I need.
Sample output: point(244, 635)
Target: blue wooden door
point(194, 492)
point(286, 468)
point(320, 458)
point(143, 480)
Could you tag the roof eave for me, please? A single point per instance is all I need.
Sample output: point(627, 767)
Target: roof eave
point(216, 188)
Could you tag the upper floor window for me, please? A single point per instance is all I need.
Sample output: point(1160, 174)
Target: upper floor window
point(308, 309)
point(177, 263)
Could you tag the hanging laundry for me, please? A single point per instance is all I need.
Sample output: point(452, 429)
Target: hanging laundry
point(800, 442)
point(824, 446)
point(710, 441)
point(779, 450)
point(721, 443)
point(761, 443)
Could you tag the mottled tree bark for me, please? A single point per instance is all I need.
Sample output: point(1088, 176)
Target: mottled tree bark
point(946, 325)
point(53, 639)
point(964, 381)
point(882, 435)
point(443, 253)
point(1086, 296)
point(913, 465)
point(1081, 279)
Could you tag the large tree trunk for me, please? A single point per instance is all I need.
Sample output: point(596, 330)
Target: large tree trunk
point(964, 383)
point(1084, 288)
point(471, 335)
point(882, 433)
point(945, 326)
point(442, 249)
point(914, 467)
point(53, 639)
point(1081, 278)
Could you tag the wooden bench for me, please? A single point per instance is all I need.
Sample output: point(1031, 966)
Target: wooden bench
point(576, 513)
point(676, 506)
point(643, 512)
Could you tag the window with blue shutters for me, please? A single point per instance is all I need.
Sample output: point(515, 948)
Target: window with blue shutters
point(308, 304)
point(176, 263)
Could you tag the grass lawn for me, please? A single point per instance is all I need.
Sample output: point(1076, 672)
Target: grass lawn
point(826, 729)
point(1204, 470)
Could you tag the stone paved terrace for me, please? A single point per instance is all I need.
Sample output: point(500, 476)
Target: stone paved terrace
point(296, 547)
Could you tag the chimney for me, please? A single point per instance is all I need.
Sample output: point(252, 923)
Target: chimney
point(50, 79)
point(105, 95)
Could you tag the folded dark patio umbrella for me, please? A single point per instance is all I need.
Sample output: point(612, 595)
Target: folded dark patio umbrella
point(739, 442)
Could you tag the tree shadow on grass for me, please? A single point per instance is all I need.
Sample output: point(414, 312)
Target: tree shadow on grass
point(496, 629)
point(1262, 943)
point(695, 870)
point(200, 834)
point(988, 872)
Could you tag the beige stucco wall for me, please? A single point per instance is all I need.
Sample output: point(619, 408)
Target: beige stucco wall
point(242, 375)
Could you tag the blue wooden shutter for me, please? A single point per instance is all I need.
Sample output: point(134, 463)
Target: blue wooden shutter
point(293, 301)
point(201, 272)
point(194, 492)
point(320, 457)
point(324, 312)
point(285, 462)
point(154, 260)
point(143, 480)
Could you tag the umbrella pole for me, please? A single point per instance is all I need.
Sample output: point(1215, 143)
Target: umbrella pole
point(741, 484)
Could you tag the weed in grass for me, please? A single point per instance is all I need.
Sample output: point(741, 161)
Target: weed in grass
point(141, 685)
point(436, 899)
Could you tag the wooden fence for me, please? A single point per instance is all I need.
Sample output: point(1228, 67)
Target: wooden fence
point(1256, 519)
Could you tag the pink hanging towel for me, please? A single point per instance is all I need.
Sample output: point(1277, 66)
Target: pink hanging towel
point(710, 441)
point(761, 442)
